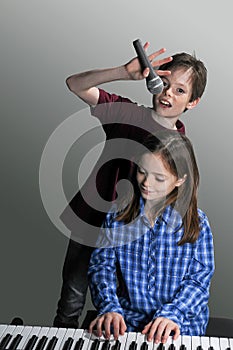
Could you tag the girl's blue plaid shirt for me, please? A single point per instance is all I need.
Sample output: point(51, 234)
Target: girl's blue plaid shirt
point(158, 277)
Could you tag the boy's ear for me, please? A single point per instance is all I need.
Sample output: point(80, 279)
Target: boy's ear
point(193, 104)
point(180, 181)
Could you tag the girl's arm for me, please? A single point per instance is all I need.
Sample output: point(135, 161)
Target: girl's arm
point(193, 294)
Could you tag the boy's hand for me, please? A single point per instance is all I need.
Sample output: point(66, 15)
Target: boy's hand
point(134, 70)
point(160, 329)
point(105, 322)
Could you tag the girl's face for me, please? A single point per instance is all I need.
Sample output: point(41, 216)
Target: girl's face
point(155, 181)
point(175, 97)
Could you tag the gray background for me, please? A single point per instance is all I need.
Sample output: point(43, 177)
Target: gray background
point(43, 42)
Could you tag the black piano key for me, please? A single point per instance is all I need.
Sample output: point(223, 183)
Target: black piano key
point(41, 343)
point(68, 343)
point(95, 345)
point(161, 346)
point(133, 345)
point(117, 345)
point(79, 344)
point(182, 347)
point(31, 342)
point(211, 348)
point(171, 347)
point(199, 347)
point(106, 345)
point(144, 346)
point(15, 342)
point(5, 341)
point(52, 343)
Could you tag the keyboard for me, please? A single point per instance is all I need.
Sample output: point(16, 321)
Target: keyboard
point(50, 338)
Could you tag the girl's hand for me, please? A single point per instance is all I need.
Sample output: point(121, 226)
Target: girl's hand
point(160, 329)
point(134, 70)
point(105, 322)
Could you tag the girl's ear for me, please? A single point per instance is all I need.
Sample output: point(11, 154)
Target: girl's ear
point(180, 181)
point(193, 104)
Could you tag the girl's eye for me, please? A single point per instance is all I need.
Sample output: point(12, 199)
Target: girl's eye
point(165, 83)
point(159, 179)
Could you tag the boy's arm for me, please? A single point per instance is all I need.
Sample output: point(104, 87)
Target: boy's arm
point(84, 84)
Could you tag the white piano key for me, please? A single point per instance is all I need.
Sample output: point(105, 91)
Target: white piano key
point(186, 340)
point(78, 333)
point(214, 342)
point(196, 341)
point(25, 334)
point(16, 331)
point(140, 339)
point(87, 340)
point(231, 343)
point(224, 343)
point(131, 336)
point(2, 329)
point(122, 339)
point(205, 343)
point(168, 343)
point(63, 334)
point(177, 342)
point(60, 336)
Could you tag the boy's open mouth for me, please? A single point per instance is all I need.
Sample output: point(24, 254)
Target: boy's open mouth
point(165, 103)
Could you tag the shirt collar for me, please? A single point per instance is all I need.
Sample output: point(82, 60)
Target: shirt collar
point(170, 215)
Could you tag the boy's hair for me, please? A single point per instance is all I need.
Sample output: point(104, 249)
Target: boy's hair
point(199, 71)
point(178, 156)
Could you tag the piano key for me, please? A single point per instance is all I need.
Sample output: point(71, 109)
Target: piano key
point(224, 343)
point(15, 342)
point(41, 343)
point(140, 340)
point(214, 342)
point(60, 334)
point(169, 345)
point(68, 344)
point(88, 339)
point(120, 343)
point(67, 334)
point(52, 343)
point(131, 336)
point(8, 330)
point(186, 341)
point(161, 346)
point(31, 342)
point(5, 341)
point(177, 343)
point(196, 343)
point(205, 343)
point(2, 329)
point(31, 332)
point(231, 343)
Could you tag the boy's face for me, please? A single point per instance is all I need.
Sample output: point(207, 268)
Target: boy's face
point(175, 97)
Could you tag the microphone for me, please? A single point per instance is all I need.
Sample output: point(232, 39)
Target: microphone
point(153, 82)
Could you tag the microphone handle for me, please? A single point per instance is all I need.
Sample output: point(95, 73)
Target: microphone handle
point(143, 59)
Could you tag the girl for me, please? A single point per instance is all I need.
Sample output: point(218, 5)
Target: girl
point(161, 245)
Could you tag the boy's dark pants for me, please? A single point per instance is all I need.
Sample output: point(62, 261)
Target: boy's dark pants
point(75, 284)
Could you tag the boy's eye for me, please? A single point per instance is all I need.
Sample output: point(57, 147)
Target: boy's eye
point(141, 171)
point(181, 91)
point(165, 83)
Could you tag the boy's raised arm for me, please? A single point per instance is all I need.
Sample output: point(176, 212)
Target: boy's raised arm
point(84, 84)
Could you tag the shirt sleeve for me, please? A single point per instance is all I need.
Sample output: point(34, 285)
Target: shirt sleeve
point(103, 280)
point(193, 294)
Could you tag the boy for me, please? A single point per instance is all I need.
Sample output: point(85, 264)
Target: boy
point(184, 79)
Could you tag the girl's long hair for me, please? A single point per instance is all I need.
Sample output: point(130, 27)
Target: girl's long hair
point(178, 157)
